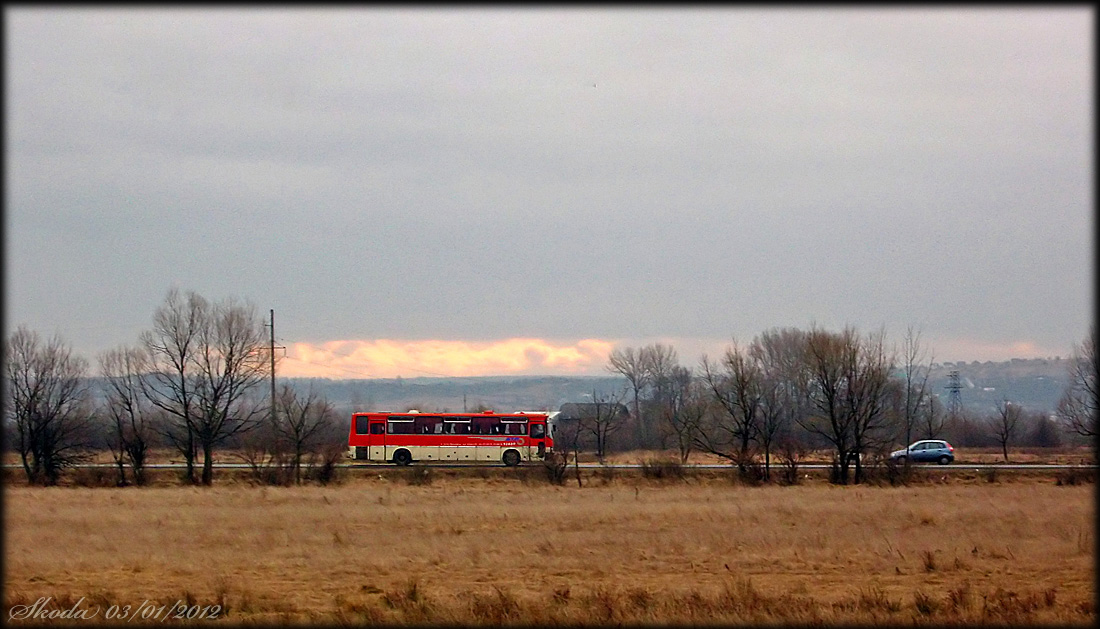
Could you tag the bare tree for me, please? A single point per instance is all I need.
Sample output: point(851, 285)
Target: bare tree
point(607, 415)
point(774, 417)
point(1080, 402)
point(46, 399)
point(831, 358)
point(302, 423)
point(1005, 424)
point(737, 387)
point(782, 354)
point(130, 414)
point(633, 365)
point(205, 358)
point(867, 388)
point(660, 362)
point(932, 418)
point(230, 363)
point(1045, 432)
point(265, 453)
point(918, 408)
point(567, 442)
point(681, 409)
point(172, 347)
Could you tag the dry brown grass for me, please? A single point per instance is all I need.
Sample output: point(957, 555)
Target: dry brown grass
point(493, 551)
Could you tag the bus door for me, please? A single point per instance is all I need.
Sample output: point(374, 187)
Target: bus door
point(377, 448)
point(537, 440)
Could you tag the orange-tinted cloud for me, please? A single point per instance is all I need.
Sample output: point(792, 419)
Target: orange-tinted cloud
point(971, 349)
point(386, 358)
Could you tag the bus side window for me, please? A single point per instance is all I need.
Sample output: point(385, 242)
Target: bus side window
point(426, 425)
point(456, 428)
point(378, 428)
point(360, 425)
point(400, 428)
point(538, 431)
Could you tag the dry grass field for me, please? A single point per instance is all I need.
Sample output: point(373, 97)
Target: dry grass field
point(502, 550)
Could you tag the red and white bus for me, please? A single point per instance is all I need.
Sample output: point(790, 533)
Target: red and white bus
point(486, 437)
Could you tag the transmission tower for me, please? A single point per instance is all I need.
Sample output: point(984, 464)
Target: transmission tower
point(955, 389)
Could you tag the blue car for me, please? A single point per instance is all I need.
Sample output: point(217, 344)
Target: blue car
point(925, 451)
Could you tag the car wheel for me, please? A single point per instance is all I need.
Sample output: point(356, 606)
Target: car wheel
point(402, 457)
point(900, 460)
point(944, 460)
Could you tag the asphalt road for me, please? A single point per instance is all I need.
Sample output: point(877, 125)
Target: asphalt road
point(620, 466)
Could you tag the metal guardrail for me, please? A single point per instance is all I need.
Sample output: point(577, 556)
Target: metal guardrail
point(617, 466)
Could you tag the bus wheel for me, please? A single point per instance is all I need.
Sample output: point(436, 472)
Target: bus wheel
point(511, 458)
point(402, 457)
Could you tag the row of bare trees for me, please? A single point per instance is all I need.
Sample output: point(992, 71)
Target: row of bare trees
point(791, 389)
point(835, 386)
point(191, 382)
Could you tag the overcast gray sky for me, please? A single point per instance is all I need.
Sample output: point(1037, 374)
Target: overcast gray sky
point(475, 191)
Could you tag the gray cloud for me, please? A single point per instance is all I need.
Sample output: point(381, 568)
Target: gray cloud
point(483, 174)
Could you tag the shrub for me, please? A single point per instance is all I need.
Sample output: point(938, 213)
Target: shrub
point(1074, 476)
point(788, 470)
point(94, 477)
point(328, 469)
point(606, 474)
point(790, 453)
point(274, 475)
point(751, 472)
point(419, 475)
point(896, 473)
point(663, 469)
point(556, 465)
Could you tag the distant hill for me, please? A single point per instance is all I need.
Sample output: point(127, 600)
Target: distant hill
point(499, 393)
point(1036, 384)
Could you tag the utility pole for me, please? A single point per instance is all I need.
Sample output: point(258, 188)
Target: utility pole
point(272, 366)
